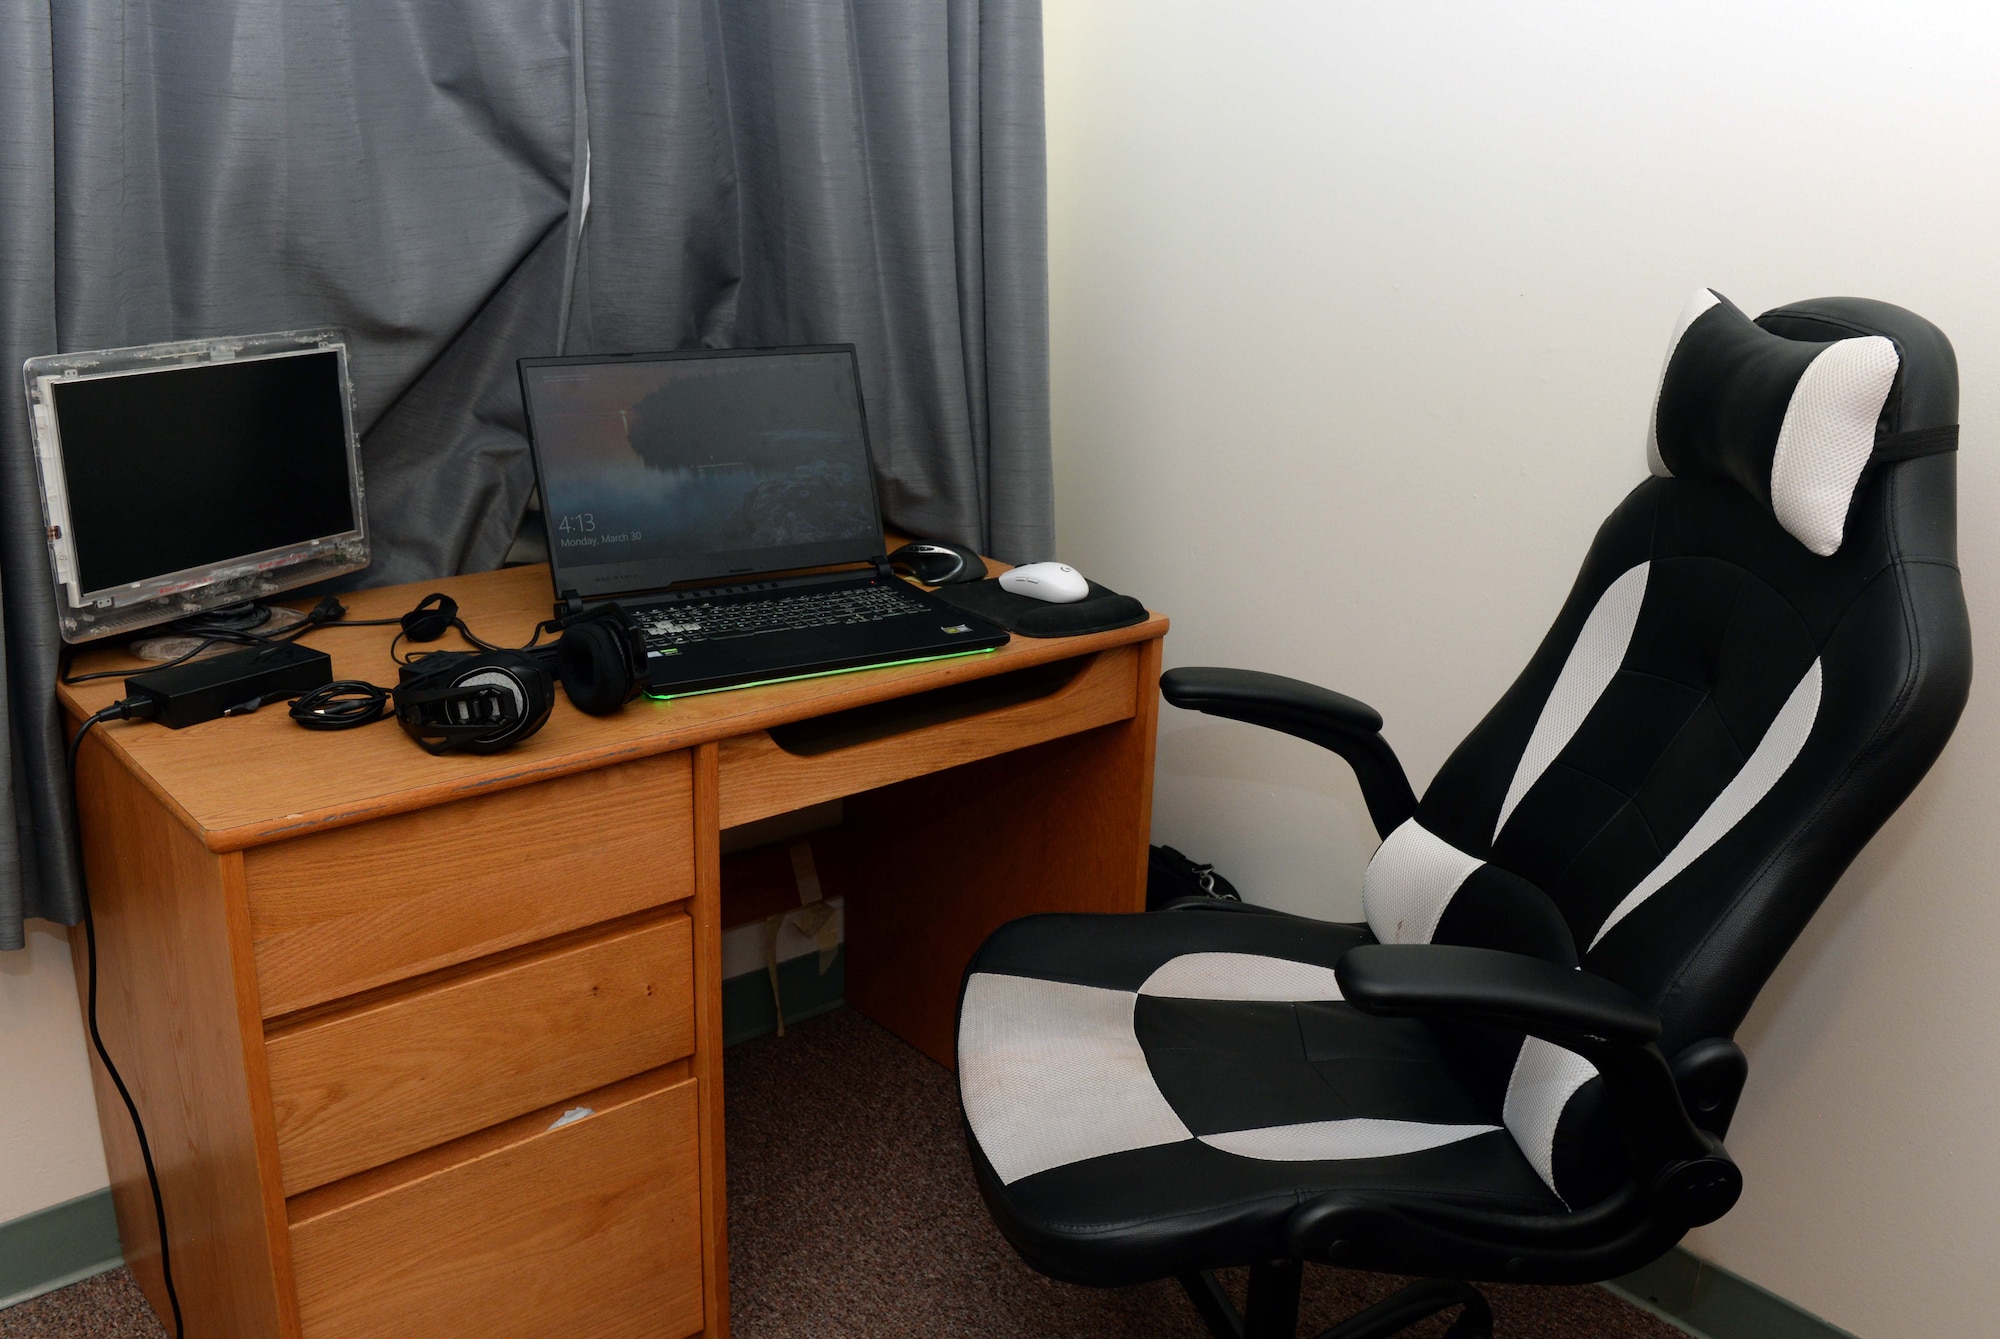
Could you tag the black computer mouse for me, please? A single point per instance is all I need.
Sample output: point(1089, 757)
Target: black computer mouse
point(937, 563)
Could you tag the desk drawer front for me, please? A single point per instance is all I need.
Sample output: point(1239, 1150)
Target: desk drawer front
point(759, 778)
point(348, 910)
point(590, 1229)
point(363, 1088)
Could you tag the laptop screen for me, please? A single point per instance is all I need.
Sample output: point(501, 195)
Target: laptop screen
point(662, 468)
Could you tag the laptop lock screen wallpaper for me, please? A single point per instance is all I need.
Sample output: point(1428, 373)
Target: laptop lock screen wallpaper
point(674, 460)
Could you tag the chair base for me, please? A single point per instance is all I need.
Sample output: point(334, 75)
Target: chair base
point(1273, 1308)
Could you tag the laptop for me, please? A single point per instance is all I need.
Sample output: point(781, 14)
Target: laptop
point(693, 487)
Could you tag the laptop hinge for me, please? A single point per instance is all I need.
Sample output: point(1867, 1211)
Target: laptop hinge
point(569, 602)
point(882, 568)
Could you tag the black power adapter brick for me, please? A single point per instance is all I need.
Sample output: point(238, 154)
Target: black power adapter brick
point(229, 685)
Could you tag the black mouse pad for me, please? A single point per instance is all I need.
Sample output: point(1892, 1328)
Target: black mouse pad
point(1100, 611)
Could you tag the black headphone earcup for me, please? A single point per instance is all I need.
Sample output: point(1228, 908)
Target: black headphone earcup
point(473, 702)
point(594, 661)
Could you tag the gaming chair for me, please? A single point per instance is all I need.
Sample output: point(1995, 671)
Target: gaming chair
point(1520, 1067)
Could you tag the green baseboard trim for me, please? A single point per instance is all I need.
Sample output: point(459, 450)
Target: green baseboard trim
point(746, 1000)
point(1709, 1302)
point(53, 1247)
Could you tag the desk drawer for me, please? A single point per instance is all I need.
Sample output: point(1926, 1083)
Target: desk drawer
point(593, 1228)
point(761, 777)
point(343, 911)
point(367, 1086)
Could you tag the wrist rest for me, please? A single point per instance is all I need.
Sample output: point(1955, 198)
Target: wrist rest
point(1100, 611)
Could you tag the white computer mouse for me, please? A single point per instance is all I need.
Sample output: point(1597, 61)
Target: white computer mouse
point(1058, 583)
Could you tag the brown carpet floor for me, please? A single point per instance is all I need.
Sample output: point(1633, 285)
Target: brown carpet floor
point(853, 1215)
point(109, 1306)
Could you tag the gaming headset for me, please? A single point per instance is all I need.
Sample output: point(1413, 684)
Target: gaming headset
point(473, 701)
point(487, 700)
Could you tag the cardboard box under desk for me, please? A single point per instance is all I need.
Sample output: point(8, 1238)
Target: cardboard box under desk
point(763, 881)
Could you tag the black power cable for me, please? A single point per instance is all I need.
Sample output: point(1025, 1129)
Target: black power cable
point(128, 709)
point(341, 705)
point(240, 639)
point(328, 613)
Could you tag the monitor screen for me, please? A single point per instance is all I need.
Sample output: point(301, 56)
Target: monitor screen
point(660, 468)
point(191, 467)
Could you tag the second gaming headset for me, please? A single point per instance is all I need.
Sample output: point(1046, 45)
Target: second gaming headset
point(600, 657)
point(487, 700)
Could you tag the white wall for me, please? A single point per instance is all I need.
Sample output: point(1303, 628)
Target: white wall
point(49, 1150)
point(1358, 312)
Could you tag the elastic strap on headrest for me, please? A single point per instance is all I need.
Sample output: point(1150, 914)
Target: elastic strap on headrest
point(1894, 446)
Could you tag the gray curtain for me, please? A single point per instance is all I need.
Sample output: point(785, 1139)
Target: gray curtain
point(865, 171)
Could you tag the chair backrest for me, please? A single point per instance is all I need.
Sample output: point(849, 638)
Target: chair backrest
point(1766, 649)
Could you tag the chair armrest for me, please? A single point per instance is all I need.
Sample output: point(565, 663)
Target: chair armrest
point(1291, 705)
point(1321, 716)
point(1599, 1020)
point(1483, 985)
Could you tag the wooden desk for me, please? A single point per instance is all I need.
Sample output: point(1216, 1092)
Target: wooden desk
point(361, 994)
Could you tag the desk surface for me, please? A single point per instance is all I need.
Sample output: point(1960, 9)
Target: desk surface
point(239, 782)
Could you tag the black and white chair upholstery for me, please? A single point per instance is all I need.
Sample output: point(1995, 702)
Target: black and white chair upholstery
point(1520, 1067)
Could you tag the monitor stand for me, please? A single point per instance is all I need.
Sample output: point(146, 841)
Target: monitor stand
point(243, 616)
point(183, 635)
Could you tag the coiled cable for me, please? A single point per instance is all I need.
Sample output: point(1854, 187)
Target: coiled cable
point(343, 704)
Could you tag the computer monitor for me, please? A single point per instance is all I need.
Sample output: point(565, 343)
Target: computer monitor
point(180, 477)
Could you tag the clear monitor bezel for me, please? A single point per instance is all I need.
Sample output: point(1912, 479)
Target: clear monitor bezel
point(84, 616)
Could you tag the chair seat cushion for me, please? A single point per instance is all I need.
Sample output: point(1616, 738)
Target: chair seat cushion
point(1150, 1094)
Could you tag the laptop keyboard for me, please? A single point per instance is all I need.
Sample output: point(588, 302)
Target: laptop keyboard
point(709, 620)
